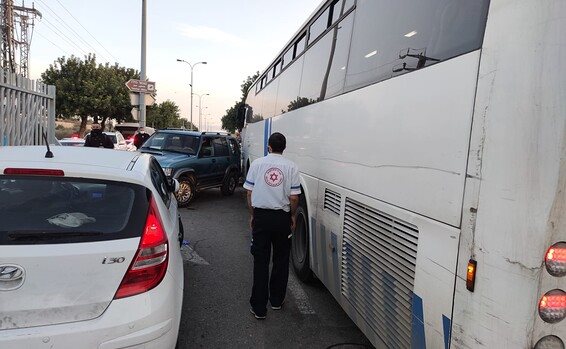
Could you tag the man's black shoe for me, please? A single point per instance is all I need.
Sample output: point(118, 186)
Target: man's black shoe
point(259, 317)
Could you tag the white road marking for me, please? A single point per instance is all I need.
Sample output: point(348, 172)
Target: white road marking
point(300, 295)
point(190, 255)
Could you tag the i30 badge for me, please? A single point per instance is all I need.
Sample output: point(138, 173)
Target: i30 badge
point(11, 277)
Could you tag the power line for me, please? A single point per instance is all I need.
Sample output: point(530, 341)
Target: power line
point(54, 44)
point(60, 20)
point(62, 35)
point(92, 36)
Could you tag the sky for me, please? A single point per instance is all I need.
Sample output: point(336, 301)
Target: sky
point(235, 38)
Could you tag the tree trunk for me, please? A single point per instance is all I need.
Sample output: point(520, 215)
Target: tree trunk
point(82, 129)
point(103, 123)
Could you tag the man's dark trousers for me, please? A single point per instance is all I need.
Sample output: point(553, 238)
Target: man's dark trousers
point(270, 228)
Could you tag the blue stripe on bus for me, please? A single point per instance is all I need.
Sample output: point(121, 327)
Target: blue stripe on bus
point(314, 247)
point(265, 137)
point(336, 285)
point(447, 324)
point(418, 332)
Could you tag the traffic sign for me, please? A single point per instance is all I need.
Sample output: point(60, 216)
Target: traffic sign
point(135, 99)
point(141, 86)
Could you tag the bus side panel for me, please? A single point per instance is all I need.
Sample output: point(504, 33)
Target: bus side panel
point(515, 188)
point(253, 141)
point(367, 268)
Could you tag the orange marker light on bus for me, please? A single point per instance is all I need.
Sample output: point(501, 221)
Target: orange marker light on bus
point(555, 259)
point(471, 275)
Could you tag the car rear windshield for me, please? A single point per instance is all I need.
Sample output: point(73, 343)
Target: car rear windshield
point(175, 142)
point(51, 210)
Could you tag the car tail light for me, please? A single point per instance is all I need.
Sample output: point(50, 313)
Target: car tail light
point(555, 259)
point(550, 342)
point(150, 262)
point(552, 306)
point(33, 172)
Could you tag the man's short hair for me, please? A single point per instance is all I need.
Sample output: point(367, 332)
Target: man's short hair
point(277, 142)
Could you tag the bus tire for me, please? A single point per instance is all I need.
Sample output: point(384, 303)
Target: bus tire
point(187, 189)
point(300, 255)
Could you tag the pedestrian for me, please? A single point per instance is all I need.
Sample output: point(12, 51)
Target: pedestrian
point(140, 137)
point(97, 139)
point(273, 196)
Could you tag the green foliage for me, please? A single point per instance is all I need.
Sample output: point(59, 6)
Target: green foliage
point(85, 89)
point(164, 115)
point(230, 119)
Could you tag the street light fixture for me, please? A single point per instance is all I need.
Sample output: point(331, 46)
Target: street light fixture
point(192, 66)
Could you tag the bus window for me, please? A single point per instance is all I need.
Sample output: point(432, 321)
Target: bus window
point(289, 87)
point(300, 45)
point(319, 26)
point(432, 30)
point(314, 69)
point(337, 72)
point(288, 57)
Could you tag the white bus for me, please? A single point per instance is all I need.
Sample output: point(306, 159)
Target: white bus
point(430, 136)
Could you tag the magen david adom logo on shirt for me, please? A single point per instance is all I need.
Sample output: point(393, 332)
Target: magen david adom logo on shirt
point(273, 177)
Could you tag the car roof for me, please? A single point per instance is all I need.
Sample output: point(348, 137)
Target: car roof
point(194, 133)
point(79, 162)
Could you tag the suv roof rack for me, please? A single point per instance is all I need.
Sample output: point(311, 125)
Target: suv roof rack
point(219, 133)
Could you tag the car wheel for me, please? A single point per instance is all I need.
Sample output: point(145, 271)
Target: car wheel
point(300, 244)
point(186, 191)
point(229, 184)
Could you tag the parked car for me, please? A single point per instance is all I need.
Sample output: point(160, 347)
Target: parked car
point(120, 143)
point(129, 129)
point(198, 160)
point(72, 142)
point(89, 250)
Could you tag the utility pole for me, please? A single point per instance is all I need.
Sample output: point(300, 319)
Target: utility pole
point(143, 60)
point(11, 16)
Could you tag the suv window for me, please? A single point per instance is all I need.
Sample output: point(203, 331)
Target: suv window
point(234, 146)
point(54, 210)
point(159, 181)
point(220, 146)
point(206, 148)
point(176, 142)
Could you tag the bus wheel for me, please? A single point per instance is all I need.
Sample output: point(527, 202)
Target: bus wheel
point(186, 190)
point(300, 244)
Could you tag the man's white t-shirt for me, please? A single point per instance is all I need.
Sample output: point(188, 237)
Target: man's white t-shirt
point(272, 179)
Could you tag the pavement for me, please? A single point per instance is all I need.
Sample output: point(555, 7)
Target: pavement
point(218, 279)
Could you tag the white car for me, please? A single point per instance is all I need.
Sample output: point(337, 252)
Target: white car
point(89, 250)
point(72, 142)
point(120, 142)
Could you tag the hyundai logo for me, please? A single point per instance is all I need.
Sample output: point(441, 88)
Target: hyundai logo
point(11, 277)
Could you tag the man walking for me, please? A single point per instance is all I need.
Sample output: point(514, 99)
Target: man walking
point(273, 196)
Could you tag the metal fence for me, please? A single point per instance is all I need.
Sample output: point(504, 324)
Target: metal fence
point(27, 110)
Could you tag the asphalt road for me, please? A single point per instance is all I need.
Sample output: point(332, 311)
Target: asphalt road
point(218, 278)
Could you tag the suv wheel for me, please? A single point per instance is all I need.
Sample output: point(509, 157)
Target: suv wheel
point(229, 184)
point(186, 191)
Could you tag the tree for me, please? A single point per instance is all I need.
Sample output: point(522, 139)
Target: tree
point(230, 119)
point(164, 115)
point(85, 89)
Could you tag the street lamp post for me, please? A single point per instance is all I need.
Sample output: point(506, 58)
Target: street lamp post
point(200, 108)
point(192, 66)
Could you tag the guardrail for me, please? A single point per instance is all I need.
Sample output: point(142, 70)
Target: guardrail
point(27, 109)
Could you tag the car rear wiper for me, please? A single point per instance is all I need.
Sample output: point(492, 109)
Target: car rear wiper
point(45, 235)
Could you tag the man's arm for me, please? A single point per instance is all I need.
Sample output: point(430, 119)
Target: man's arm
point(250, 208)
point(294, 201)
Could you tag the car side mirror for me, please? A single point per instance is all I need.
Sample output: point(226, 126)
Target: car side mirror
point(174, 185)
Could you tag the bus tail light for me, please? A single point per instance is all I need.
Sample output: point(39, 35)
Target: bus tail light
point(555, 259)
point(471, 275)
point(552, 306)
point(550, 342)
